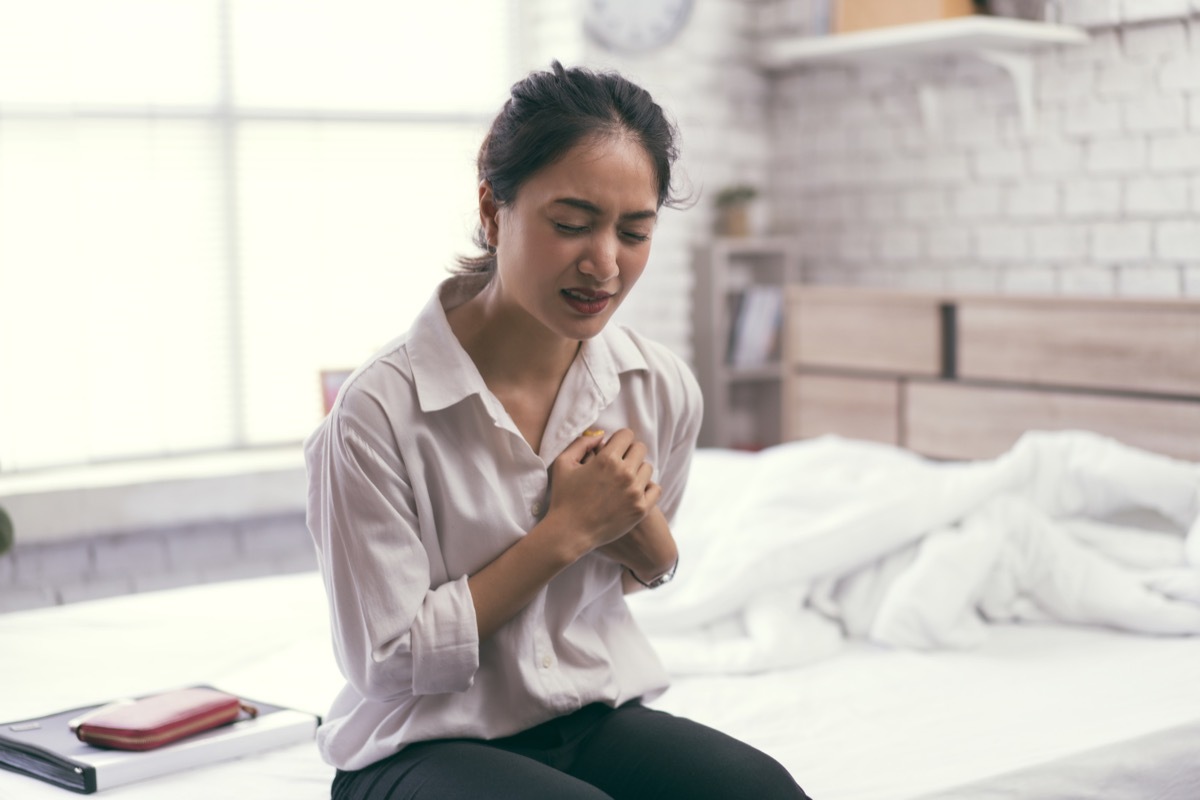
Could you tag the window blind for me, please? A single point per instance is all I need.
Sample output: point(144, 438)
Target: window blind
point(204, 203)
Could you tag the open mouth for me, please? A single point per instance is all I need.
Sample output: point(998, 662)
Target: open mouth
point(585, 301)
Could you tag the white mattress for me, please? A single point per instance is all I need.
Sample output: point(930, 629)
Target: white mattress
point(1037, 712)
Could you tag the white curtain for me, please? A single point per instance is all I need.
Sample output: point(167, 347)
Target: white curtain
point(204, 203)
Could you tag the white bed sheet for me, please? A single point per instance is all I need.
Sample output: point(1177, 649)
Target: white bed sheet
point(1035, 712)
point(1101, 708)
point(265, 639)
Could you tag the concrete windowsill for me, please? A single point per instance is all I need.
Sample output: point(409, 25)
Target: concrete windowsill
point(82, 502)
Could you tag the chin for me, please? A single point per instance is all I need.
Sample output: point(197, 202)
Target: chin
point(585, 332)
point(581, 330)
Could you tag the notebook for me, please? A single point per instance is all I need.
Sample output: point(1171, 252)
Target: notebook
point(47, 749)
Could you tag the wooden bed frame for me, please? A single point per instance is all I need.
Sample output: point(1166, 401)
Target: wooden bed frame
point(963, 376)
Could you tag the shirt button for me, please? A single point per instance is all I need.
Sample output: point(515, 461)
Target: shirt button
point(536, 508)
point(547, 661)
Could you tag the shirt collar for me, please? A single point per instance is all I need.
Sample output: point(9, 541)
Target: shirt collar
point(607, 356)
point(445, 375)
point(443, 372)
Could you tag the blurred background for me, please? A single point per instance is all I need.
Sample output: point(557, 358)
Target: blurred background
point(206, 204)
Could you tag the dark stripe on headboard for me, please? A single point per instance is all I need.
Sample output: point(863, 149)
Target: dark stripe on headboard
point(949, 319)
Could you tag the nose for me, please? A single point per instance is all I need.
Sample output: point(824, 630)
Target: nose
point(600, 261)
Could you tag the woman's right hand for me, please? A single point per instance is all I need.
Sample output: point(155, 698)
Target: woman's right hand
point(601, 492)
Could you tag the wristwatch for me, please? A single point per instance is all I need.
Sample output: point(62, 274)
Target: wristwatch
point(660, 580)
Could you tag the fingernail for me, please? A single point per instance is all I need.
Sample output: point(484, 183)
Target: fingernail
point(593, 432)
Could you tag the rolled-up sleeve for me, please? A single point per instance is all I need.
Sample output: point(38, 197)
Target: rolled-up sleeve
point(445, 643)
point(394, 633)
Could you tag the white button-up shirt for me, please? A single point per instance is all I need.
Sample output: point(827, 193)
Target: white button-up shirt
point(419, 478)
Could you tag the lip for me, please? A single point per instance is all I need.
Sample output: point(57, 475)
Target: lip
point(594, 303)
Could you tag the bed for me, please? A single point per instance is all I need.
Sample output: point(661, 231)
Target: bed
point(965, 575)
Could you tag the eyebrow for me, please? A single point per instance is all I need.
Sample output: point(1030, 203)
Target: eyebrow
point(592, 208)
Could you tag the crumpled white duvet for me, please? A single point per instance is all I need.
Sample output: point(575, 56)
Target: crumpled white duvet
point(787, 553)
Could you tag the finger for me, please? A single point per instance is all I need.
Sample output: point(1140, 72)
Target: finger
point(645, 475)
point(636, 454)
point(653, 493)
point(619, 442)
point(597, 435)
point(578, 450)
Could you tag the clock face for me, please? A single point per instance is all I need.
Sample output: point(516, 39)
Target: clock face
point(635, 26)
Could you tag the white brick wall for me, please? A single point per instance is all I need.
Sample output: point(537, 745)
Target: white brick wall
point(1079, 279)
point(1116, 242)
point(1087, 197)
point(120, 556)
point(1121, 156)
point(1099, 13)
point(1180, 71)
point(1143, 10)
point(1175, 152)
point(1157, 196)
point(1101, 198)
point(1031, 201)
point(1191, 281)
point(1064, 242)
point(1028, 280)
point(1148, 280)
point(1088, 116)
point(1178, 241)
point(36, 575)
point(1091, 12)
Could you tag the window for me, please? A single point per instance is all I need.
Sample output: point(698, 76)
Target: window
point(204, 203)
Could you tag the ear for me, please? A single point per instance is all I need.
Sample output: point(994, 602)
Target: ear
point(489, 213)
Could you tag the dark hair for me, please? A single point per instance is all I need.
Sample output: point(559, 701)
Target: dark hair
point(551, 111)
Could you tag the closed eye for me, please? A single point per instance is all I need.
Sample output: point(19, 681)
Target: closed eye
point(572, 229)
point(634, 236)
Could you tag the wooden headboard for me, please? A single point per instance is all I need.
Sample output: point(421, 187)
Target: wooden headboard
point(963, 376)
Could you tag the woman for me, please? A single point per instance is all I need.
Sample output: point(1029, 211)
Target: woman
point(477, 527)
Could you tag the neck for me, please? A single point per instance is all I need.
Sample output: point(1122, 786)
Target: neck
point(507, 346)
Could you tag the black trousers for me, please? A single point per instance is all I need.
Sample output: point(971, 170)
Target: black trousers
point(597, 753)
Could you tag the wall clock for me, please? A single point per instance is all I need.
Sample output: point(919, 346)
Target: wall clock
point(635, 26)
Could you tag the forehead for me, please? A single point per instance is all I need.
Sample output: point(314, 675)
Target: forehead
point(616, 168)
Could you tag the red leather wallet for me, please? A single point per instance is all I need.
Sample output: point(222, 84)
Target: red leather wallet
point(159, 719)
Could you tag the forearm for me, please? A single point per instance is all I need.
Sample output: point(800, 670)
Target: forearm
point(591, 506)
point(647, 551)
point(509, 583)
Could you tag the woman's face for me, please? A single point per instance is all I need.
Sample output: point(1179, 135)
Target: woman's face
point(575, 240)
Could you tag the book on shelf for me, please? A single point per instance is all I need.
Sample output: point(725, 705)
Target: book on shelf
point(754, 335)
point(47, 748)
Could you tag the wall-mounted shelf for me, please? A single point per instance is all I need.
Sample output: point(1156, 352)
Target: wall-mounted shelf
point(1000, 41)
point(941, 37)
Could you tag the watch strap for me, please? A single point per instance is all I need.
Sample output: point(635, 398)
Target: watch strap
point(654, 583)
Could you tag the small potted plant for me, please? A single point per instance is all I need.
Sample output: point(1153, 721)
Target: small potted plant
point(733, 209)
point(6, 531)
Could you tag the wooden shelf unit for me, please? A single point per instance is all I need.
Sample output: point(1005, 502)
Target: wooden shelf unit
point(741, 403)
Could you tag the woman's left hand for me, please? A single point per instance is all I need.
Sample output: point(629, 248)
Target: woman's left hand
point(648, 549)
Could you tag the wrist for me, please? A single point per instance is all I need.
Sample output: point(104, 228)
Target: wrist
point(654, 581)
point(559, 540)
